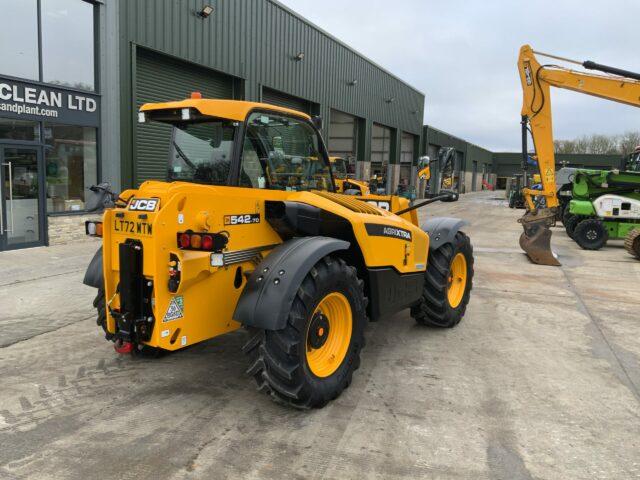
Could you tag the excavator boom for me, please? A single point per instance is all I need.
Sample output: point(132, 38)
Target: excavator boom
point(537, 80)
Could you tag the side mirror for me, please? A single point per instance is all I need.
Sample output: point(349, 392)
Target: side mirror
point(317, 122)
point(99, 197)
point(216, 137)
point(453, 196)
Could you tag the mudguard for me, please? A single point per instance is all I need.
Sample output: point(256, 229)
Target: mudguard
point(442, 230)
point(94, 274)
point(266, 300)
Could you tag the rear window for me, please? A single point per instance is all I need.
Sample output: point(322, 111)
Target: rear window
point(201, 152)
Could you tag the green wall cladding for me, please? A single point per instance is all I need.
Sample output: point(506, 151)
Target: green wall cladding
point(256, 41)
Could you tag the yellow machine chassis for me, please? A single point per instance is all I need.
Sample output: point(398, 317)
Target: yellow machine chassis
point(182, 207)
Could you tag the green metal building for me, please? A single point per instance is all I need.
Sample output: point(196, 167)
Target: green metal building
point(508, 164)
point(473, 163)
point(71, 84)
point(257, 50)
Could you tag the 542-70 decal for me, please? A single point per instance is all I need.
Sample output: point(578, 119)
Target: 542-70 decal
point(242, 219)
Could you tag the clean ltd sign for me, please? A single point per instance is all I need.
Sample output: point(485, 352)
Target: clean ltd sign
point(28, 101)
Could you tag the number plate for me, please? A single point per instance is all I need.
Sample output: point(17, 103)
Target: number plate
point(130, 227)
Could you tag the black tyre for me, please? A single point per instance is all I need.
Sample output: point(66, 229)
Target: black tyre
point(591, 234)
point(566, 213)
point(563, 210)
point(311, 360)
point(632, 243)
point(447, 286)
point(99, 303)
point(570, 222)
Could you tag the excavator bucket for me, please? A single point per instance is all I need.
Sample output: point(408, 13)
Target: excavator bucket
point(536, 238)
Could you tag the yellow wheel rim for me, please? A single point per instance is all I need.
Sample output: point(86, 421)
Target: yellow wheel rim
point(457, 280)
point(329, 334)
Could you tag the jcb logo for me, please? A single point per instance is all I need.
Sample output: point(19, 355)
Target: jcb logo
point(143, 204)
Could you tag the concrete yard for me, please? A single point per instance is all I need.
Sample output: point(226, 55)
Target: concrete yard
point(541, 380)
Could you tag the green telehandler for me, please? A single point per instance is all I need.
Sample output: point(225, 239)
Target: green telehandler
point(605, 205)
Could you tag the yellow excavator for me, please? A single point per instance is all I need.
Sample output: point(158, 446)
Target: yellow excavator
point(612, 84)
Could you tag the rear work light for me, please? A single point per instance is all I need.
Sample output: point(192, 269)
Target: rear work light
point(93, 229)
point(203, 242)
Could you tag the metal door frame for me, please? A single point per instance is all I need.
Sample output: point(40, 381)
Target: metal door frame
point(474, 175)
point(4, 210)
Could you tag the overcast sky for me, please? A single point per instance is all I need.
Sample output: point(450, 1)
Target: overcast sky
point(462, 54)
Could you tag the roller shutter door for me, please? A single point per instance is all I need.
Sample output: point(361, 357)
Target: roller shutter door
point(280, 99)
point(159, 79)
point(343, 138)
point(406, 158)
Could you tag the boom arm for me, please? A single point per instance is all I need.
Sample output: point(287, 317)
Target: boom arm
point(536, 106)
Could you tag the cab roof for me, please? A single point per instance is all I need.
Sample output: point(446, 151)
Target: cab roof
point(230, 109)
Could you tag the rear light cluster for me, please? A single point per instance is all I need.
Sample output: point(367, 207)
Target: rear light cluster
point(93, 229)
point(204, 242)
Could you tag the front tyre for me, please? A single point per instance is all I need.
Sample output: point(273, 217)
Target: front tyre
point(312, 359)
point(447, 286)
point(591, 234)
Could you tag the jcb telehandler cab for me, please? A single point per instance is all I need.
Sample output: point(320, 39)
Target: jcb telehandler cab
point(344, 181)
point(248, 232)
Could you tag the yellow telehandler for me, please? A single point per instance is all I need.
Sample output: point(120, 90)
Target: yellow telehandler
point(249, 232)
point(345, 183)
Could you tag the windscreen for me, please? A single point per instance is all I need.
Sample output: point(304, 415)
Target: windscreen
point(201, 152)
point(339, 167)
point(283, 153)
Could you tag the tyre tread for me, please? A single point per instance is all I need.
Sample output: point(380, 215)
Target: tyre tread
point(434, 309)
point(274, 356)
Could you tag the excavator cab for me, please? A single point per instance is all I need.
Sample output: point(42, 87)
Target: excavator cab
point(633, 164)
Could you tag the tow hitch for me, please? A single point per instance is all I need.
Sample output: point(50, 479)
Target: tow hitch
point(123, 347)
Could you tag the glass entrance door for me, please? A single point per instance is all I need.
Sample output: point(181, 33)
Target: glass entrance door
point(21, 213)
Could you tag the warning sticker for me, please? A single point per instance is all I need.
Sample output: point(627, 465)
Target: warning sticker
point(175, 310)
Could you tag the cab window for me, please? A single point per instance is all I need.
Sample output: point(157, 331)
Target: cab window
point(201, 152)
point(282, 153)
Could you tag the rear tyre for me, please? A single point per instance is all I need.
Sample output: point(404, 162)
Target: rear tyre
point(99, 303)
point(632, 243)
point(563, 210)
point(591, 234)
point(312, 359)
point(570, 222)
point(447, 286)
